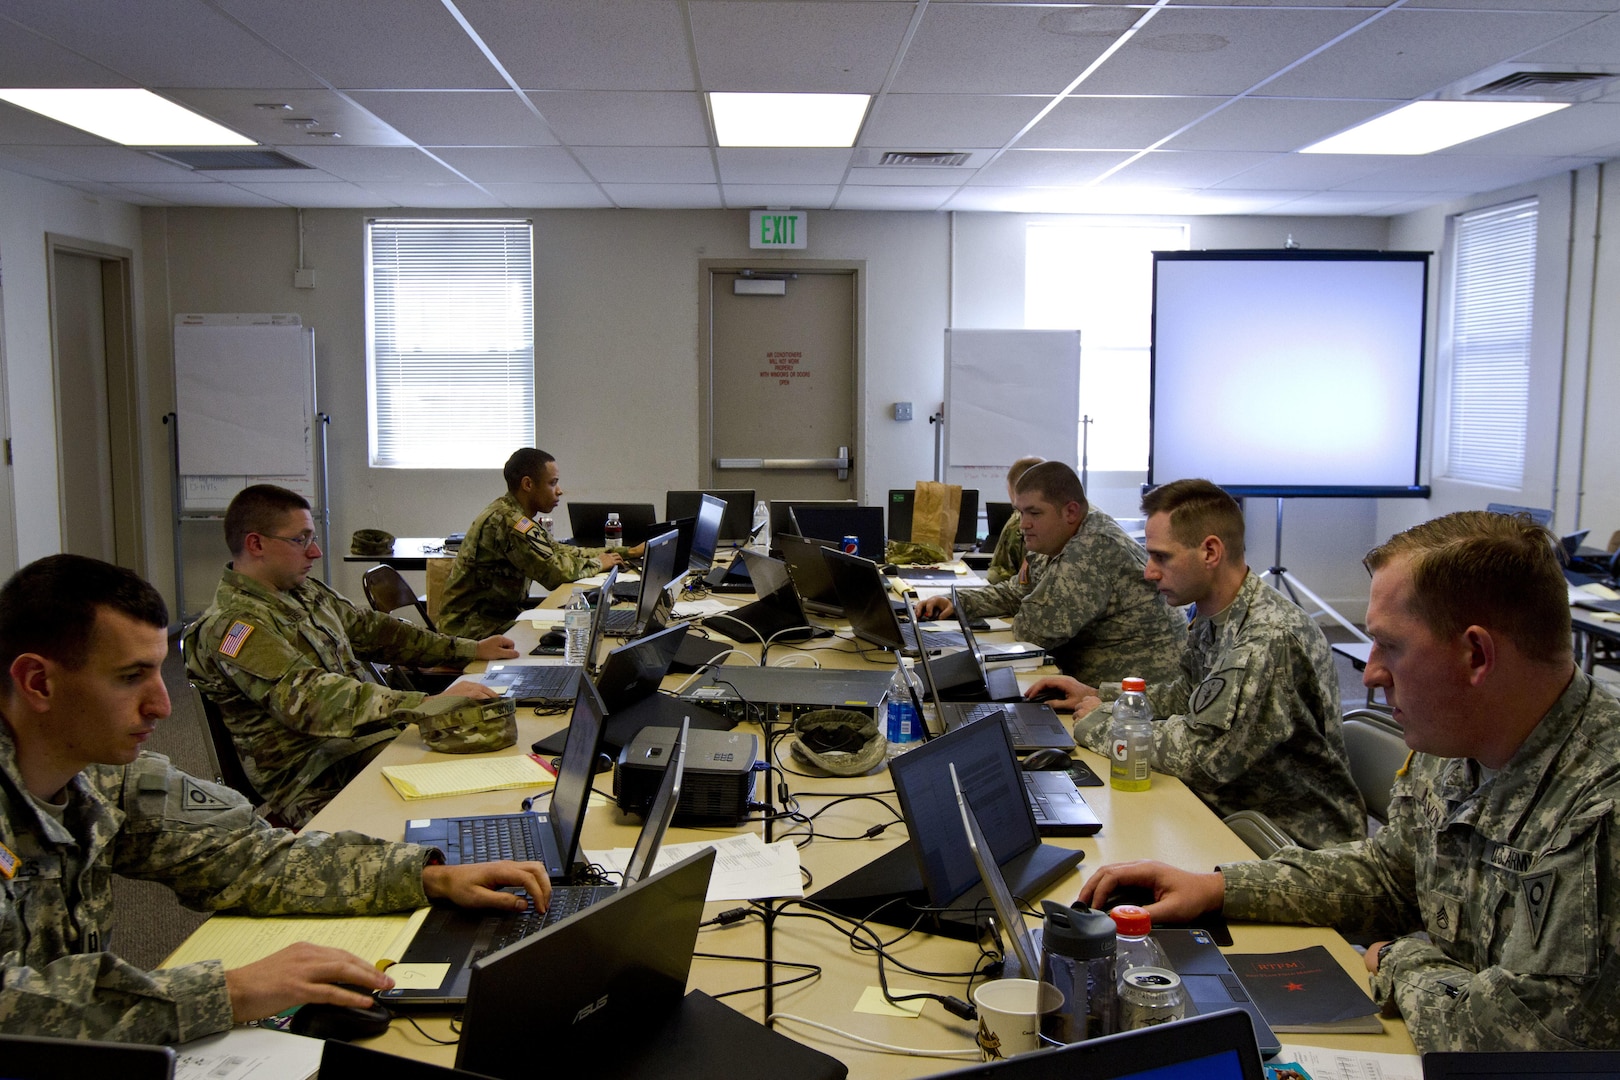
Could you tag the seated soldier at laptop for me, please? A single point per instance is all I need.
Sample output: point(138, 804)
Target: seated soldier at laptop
point(1080, 595)
point(1497, 877)
point(282, 655)
point(1251, 722)
point(506, 547)
point(82, 646)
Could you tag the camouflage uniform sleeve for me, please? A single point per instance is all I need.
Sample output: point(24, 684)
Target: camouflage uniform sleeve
point(1003, 599)
point(1009, 553)
point(297, 693)
point(542, 558)
point(375, 635)
point(1065, 600)
point(98, 996)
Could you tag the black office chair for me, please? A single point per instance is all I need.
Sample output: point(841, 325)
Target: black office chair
point(228, 768)
point(387, 591)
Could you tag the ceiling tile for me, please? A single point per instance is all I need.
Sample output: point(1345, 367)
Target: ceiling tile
point(641, 164)
point(22, 127)
point(568, 196)
point(947, 121)
point(1006, 49)
point(1215, 51)
point(372, 44)
point(799, 46)
point(459, 117)
point(240, 111)
point(324, 194)
point(138, 40)
point(1407, 54)
point(202, 194)
point(1047, 168)
point(665, 196)
point(1575, 130)
point(1305, 172)
point(586, 44)
point(26, 59)
point(108, 163)
point(1183, 169)
point(897, 176)
point(797, 196)
point(1436, 172)
point(431, 196)
point(363, 164)
point(891, 198)
point(771, 165)
point(1274, 124)
point(1104, 123)
point(625, 118)
point(530, 165)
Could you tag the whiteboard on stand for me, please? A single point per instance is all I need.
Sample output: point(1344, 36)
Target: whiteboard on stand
point(1009, 393)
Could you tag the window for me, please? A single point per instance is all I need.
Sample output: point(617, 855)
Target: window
point(1488, 385)
point(449, 342)
point(1099, 279)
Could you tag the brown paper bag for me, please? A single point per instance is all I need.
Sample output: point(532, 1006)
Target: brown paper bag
point(934, 512)
point(438, 572)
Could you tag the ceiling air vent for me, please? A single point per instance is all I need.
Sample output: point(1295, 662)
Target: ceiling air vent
point(924, 159)
point(223, 160)
point(1546, 84)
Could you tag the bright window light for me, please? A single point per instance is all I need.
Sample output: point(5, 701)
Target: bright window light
point(131, 117)
point(1426, 126)
point(787, 119)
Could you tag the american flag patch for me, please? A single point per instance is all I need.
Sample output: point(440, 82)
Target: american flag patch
point(523, 525)
point(235, 639)
point(8, 862)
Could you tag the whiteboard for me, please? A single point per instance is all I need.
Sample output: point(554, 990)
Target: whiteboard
point(244, 404)
point(1009, 393)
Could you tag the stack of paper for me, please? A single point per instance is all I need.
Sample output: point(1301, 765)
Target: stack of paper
point(745, 867)
point(440, 778)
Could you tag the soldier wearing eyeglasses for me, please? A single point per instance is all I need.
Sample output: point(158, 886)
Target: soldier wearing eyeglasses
point(283, 656)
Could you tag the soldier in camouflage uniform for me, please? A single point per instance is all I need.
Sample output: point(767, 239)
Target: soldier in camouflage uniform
point(1084, 599)
point(281, 655)
point(506, 547)
point(1008, 558)
point(1251, 720)
point(1498, 874)
point(82, 646)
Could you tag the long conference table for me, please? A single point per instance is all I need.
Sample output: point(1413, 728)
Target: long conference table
point(1167, 822)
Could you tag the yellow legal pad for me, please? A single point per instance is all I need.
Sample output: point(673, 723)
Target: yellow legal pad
point(436, 779)
point(239, 940)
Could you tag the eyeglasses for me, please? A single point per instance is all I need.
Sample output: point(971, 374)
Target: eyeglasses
point(303, 541)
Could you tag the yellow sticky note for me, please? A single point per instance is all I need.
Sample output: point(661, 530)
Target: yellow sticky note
point(418, 976)
point(873, 1001)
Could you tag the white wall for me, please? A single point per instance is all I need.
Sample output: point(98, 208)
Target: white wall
point(30, 208)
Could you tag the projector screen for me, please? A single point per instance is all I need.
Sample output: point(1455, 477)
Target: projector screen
point(1289, 373)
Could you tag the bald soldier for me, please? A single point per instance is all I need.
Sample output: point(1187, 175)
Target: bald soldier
point(82, 646)
point(1497, 879)
point(282, 656)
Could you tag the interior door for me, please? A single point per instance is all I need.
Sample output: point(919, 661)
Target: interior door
point(782, 384)
point(84, 447)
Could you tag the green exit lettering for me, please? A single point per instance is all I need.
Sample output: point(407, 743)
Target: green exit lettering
point(778, 229)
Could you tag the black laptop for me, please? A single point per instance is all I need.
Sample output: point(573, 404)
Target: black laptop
point(1031, 725)
point(36, 1057)
point(810, 575)
point(865, 523)
point(866, 606)
point(611, 982)
point(776, 616)
point(737, 505)
point(653, 603)
point(931, 878)
point(551, 836)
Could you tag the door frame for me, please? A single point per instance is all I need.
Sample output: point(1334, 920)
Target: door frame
point(707, 269)
point(123, 392)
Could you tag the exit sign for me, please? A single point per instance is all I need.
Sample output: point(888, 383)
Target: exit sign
point(778, 229)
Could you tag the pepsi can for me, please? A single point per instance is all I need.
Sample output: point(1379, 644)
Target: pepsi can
point(852, 545)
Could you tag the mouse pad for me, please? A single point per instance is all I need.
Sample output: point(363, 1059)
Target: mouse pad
point(1082, 775)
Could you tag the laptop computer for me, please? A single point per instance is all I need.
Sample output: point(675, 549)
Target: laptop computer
point(459, 937)
point(551, 836)
point(549, 684)
point(810, 575)
point(995, 886)
point(1210, 982)
point(782, 512)
point(1219, 1046)
point(737, 509)
point(653, 603)
point(1537, 1065)
point(613, 980)
point(587, 519)
point(931, 880)
point(1031, 725)
point(36, 1057)
point(866, 606)
point(776, 616)
point(865, 523)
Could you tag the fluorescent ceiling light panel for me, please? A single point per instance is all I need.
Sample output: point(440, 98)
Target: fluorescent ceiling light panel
point(1426, 126)
point(787, 119)
point(131, 117)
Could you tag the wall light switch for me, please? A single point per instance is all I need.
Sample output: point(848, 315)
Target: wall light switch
point(902, 410)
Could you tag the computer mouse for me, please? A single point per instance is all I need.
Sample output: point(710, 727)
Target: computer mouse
point(1050, 758)
point(1139, 895)
point(341, 1022)
point(553, 639)
point(1051, 693)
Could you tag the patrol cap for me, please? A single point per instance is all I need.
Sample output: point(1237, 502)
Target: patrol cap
point(841, 741)
point(916, 553)
point(453, 725)
point(371, 542)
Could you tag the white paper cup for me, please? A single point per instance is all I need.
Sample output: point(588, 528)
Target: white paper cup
point(1010, 1012)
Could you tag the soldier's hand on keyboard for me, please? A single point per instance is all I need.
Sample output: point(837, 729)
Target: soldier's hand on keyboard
point(481, 884)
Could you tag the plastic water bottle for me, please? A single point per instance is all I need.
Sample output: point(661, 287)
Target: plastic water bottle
point(1133, 947)
point(577, 629)
point(613, 531)
point(761, 541)
point(904, 725)
point(1148, 990)
point(1130, 738)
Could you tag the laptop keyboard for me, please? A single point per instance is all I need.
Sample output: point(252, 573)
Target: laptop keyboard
point(546, 682)
point(933, 639)
point(566, 900)
point(619, 621)
point(495, 839)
